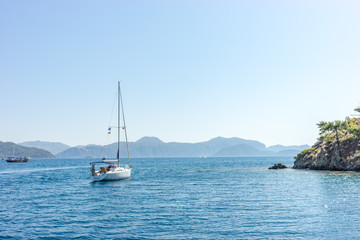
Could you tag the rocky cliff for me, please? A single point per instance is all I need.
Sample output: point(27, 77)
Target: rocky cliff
point(337, 149)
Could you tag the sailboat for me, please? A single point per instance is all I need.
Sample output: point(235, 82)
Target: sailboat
point(17, 159)
point(109, 170)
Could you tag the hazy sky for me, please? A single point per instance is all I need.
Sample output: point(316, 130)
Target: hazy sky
point(190, 70)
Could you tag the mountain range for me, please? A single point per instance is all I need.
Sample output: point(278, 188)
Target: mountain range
point(154, 147)
point(53, 147)
point(151, 147)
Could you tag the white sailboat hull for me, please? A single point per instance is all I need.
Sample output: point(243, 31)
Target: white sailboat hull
point(118, 173)
point(114, 172)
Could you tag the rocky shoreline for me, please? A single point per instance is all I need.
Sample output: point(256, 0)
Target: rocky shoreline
point(338, 148)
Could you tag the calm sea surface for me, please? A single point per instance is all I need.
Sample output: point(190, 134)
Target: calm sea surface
point(185, 198)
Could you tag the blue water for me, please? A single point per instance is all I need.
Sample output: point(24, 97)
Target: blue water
point(213, 198)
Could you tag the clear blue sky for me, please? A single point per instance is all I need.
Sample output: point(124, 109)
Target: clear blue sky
point(190, 70)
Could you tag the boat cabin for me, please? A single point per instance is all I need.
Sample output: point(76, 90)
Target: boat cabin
point(103, 169)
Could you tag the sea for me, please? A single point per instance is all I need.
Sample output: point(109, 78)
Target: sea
point(178, 198)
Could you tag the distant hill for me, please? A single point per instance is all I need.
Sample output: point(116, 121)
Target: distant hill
point(289, 152)
point(239, 151)
point(53, 147)
point(7, 149)
point(278, 148)
point(246, 150)
point(154, 147)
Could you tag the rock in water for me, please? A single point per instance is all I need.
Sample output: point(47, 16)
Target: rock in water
point(278, 166)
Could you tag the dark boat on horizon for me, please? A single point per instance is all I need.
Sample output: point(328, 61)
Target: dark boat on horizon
point(17, 159)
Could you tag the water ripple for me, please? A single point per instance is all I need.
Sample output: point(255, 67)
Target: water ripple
point(214, 198)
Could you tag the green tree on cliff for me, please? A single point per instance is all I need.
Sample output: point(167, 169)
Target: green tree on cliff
point(328, 128)
point(354, 124)
point(354, 127)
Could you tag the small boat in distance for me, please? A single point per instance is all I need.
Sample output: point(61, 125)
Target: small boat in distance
point(17, 159)
point(111, 171)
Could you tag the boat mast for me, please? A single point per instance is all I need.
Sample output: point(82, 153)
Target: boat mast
point(123, 116)
point(118, 151)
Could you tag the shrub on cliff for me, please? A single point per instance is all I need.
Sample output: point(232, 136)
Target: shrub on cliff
point(354, 126)
point(306, 152)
